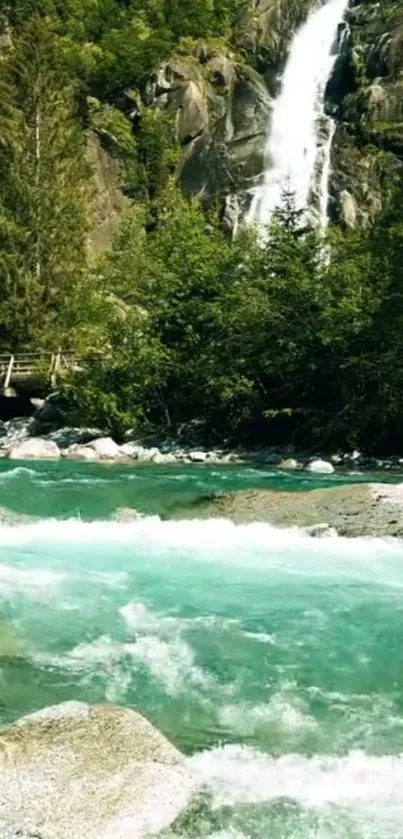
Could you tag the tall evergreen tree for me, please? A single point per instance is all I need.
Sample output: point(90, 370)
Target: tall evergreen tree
point(42, 189)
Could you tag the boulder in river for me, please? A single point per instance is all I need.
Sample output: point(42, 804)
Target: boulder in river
point(75, 771)
point(77, 452)
point(290, 463)
point(35, 447)
point(198, 456)
point(322, 467)
point(105, 448)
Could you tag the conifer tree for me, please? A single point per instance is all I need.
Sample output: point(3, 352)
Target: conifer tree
point(42, 189)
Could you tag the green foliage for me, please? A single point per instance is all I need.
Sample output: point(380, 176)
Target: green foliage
point(158, 154)
point(42, 189)
point(298, 337)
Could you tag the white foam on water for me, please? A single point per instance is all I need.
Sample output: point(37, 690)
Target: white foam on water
point(18, 472)
point(110, 579)
point(140, 618)
point(33, 583)
point(103, 658)
point(278, 714)
point(254, 546)
point(97, 654)
point(366, 785)
point(171, 663)
point(78, 480)
point(261, 637)
point(201, 535)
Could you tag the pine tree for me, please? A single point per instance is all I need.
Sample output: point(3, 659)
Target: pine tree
point(42, 190)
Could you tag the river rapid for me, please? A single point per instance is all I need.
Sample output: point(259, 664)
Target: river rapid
point(274, 661)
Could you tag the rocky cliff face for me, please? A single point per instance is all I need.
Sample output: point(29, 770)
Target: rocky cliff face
point(366, 94)
point(221, 107)
point(221, 99)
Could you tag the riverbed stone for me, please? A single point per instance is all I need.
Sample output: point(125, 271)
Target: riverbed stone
point(105, 448)
point(76, 452)
point(75, 771)
point(132, 450)
point(322, 467)
point(35, 447)
point(149, 455)
point(289, 463)
point(162, 458)
point(198, 456)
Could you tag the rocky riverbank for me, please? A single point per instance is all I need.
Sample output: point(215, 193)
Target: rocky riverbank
point(359, 510)
point(25, 439)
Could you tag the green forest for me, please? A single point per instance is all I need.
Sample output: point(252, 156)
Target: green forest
point(298, 338)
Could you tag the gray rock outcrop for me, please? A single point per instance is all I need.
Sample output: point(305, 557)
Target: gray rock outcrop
point(221, 107)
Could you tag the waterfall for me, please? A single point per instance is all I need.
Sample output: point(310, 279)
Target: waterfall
point(325, 174)
point(292, 152)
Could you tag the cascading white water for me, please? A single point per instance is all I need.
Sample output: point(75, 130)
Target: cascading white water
point(325, 174)
point(292, 145)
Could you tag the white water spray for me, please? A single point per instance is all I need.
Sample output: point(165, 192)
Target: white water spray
point(292, 151)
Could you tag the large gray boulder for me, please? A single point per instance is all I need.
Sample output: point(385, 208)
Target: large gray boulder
point(75, 771)
point(35, 447)
point(105, 448)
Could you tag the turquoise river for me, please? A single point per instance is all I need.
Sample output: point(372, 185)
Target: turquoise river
point(272, 660)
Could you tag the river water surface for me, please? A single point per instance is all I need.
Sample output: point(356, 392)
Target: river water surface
point(274, 661)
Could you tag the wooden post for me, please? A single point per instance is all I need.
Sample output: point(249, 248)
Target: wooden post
point(56, 367)
point(7, 380)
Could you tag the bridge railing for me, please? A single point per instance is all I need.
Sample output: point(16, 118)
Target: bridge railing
point(32, 365)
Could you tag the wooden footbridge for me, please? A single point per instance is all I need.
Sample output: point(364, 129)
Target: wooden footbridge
point(23, 368)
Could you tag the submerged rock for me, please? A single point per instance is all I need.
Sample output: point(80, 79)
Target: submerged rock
point(354, 510)
point(75, 771)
